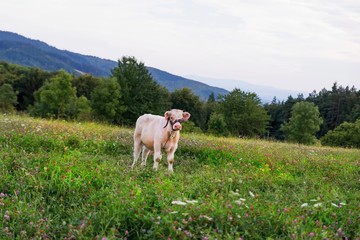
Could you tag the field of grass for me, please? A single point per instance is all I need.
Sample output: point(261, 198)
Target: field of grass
point(61, 180)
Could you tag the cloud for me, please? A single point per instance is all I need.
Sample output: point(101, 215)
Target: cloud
point(276, 42)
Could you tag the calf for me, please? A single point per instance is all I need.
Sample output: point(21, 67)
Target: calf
point(154, 133)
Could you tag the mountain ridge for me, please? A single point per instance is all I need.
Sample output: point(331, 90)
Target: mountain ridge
point(21, 50)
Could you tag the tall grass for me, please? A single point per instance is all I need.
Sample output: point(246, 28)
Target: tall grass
point(61, 180)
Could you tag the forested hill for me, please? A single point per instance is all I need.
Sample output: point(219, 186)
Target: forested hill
point(18, 49)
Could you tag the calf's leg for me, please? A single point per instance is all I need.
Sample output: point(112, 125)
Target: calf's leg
point(137, 149)
point(157, 155)
point(144, 155)
point(170, 159)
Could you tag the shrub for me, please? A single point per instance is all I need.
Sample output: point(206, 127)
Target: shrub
point(345, 135)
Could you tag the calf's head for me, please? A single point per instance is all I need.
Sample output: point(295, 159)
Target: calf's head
point(176, 117)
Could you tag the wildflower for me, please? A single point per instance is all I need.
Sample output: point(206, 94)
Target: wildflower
point(207, 218)
point(304, 205)
point(311, 234)
point(2, 195)
point(6, 215)
point(178, 202)
point(317, 205)
point(234, 193)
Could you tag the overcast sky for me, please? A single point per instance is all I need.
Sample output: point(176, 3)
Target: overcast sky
point(298, 45)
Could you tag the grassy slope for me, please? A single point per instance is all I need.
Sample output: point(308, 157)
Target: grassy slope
point(61, 180)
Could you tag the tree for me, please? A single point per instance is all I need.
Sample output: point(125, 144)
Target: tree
point(81, 109)
point(345, 135)
point(85, 85)
point(106, 101)
point(244, 114)
point(139, 92)
point(304, 122)
point(185, 100)
point(336, 106)
point(56, 98)
point(217, 124)
point(8, 98)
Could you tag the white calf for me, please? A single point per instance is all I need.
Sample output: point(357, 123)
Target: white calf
point(154, 133)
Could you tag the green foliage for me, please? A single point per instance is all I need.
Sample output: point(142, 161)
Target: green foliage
point(186, 100)
point(244, 114)
point(24, 80)
point(62, 180)
point(139, 92)
point(82, 109)
point(106, 101)
point(217, 125)
point(305, 121)
point(85, 85)
point(345, 135)
point(57, 98)
point(8, 98)
point(336, 106)
point(190, 127)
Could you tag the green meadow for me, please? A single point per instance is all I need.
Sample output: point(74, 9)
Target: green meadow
point(68, 180)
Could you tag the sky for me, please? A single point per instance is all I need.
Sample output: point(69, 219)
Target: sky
point(299, 45)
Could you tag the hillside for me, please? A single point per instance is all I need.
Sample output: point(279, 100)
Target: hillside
point(67, 180)
point(18, 49)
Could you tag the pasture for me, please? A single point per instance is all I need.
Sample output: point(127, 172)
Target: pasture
point(63, 180)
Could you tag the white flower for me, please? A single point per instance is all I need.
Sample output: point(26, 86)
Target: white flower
point(234, 193)
point(317, 204)
point(304, 205)
point(208, 218)
point(251, 194)
point(178, 202)
point(192, 201)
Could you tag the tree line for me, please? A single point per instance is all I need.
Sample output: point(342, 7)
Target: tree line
point(130, 91)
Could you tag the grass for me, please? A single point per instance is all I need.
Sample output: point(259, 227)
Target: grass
point(61, 180)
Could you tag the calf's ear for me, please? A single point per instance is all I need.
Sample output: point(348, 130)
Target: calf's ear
point(186, 116)
point(167, 115)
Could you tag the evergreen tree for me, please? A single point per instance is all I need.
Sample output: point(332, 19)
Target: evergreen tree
point(305, 121)
point(139, 92)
